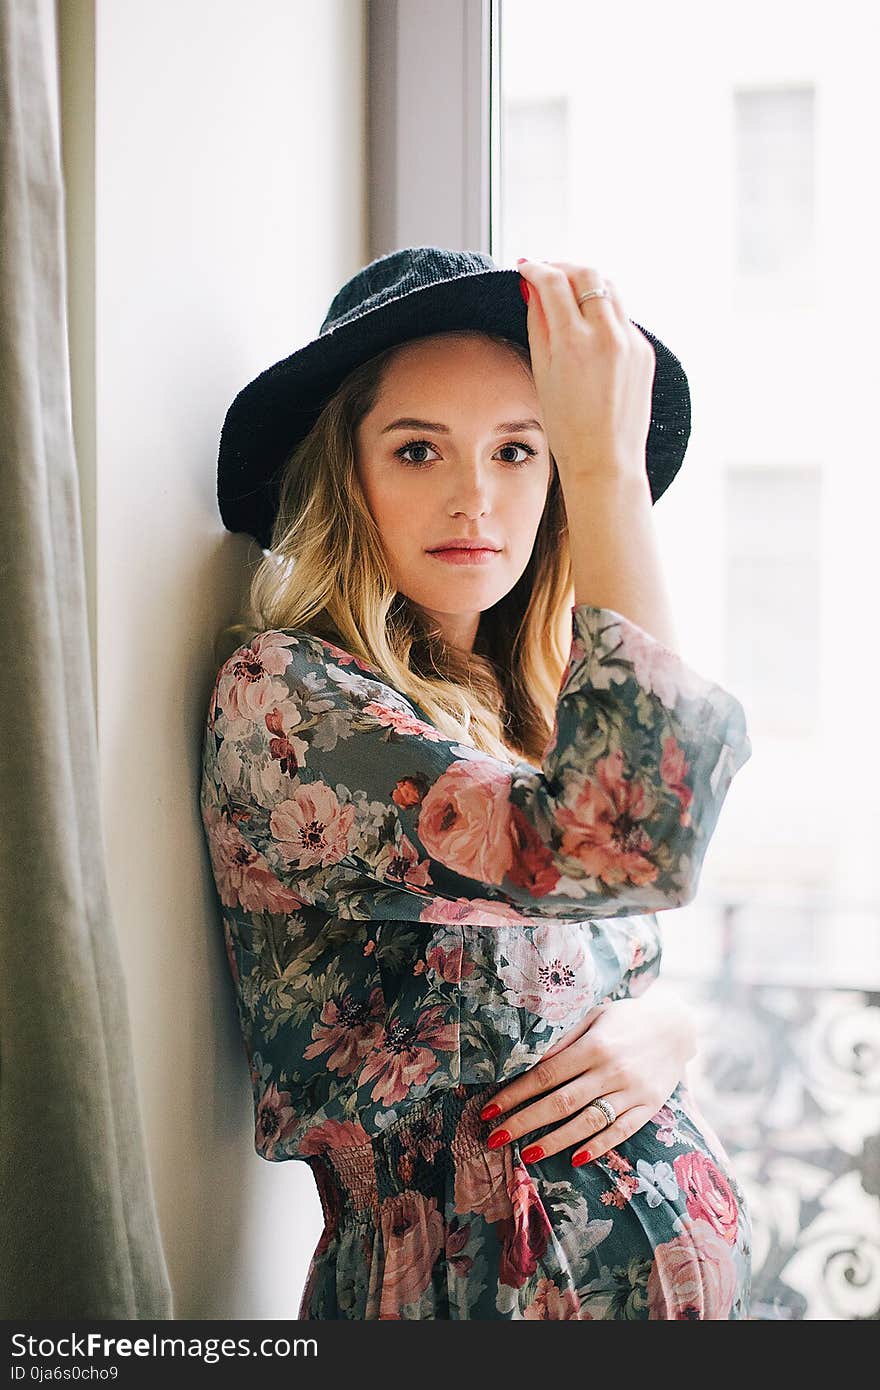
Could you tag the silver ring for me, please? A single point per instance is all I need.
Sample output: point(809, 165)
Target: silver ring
point(604, 293)
point(600, 1103)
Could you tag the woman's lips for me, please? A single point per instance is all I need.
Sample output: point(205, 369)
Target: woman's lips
point(464, 557)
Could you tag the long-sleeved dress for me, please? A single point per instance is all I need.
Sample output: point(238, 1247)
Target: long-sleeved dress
point(410, 923)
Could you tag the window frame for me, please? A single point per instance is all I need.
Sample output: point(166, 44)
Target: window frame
point(433, 124)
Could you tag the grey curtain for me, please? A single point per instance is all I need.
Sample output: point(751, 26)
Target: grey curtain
point(79, 1232)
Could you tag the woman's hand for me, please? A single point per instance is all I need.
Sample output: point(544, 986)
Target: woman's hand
point(632, 1052)
point(593, 371)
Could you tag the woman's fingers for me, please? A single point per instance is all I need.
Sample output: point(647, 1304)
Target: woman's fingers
point(576, 1054)
point(558, 1105)
point(625, 1126)
point(536, 316)
point(589, 1124)
point(555, 292)
point(559, 283)
point(593, 372)
point(583, 278)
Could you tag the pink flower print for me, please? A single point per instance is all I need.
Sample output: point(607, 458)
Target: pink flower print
point(332, 1134)
point(476, 912)
point(413, 1237)
point(344, 658)
point(613, 1198)
point(406, 1055)
point(451, 965)
point(289, 753)
point(523, 1236)
point(348, 1029)
point(275, 1120)
point(244, 878)
point(465, 823)
point(402, 722)
point(532, 867)
point(656, 667)
point(625, 1181)
point(483, 1177)
point(693, 1276)
point(409, 791)
point(312, 826)
point(248, 683)
point(667, 1133)
point(625, 1187)
point(554, 1304)
point(617, 1162)
point(481, 1184)
point(457, 1237)
point(708, 1194)
point(602, 828)
point(399, 863)
point(673, 766)
point(550, 974)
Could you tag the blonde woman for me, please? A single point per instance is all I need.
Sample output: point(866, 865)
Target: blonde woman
point(452, 772)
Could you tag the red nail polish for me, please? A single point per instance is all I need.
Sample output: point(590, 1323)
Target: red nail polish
point(584, 1157)
point(501, 1136)
point(520, 259)
point(489, 1111)
point(532, 1153)
point(524, 289)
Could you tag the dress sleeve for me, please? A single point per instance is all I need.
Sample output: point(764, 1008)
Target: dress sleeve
point(475, 910)
point(359, 805)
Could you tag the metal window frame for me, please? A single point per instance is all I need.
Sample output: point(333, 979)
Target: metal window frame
point(433, 133)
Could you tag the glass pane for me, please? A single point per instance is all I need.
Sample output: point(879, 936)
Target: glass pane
point(724, 185)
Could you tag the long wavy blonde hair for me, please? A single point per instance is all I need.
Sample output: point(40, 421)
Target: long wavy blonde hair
point(326, 573)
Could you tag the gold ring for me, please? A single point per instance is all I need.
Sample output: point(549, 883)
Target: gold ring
point(594, 294)
point(607, 1109)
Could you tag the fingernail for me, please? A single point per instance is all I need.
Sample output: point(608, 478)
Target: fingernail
point(489, 1112)
point(521, 259)
point(584, 1157)
point(532, 1153)
point(524, 289)
point(501, 1136)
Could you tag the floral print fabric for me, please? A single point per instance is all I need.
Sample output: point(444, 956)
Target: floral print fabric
point(410, 922)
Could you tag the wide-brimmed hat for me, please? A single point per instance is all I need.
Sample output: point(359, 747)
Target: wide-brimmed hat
point(405, 294)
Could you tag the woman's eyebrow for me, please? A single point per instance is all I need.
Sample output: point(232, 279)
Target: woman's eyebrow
point(409, 422)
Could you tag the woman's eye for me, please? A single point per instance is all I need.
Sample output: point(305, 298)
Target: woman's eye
point(414, 444)
point(405, 449)
point(527, 448)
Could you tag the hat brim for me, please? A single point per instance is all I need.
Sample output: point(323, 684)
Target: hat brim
point(275, 411)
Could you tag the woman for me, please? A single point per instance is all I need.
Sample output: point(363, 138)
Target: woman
point(446, 794)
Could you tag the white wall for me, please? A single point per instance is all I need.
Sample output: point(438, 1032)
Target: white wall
point(216, 192)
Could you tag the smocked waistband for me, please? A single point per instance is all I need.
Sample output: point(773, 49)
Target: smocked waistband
point(435, 1135)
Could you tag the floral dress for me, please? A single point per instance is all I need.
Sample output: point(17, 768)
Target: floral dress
point(410, 923)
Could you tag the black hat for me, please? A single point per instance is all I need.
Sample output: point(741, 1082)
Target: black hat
point(406, 294)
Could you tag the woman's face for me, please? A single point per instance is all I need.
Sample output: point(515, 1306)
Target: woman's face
point(454, 448)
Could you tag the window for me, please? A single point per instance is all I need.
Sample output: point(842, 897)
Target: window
point(772, 602)
point(667, 148)
point(775, 182)
point(723, 185)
